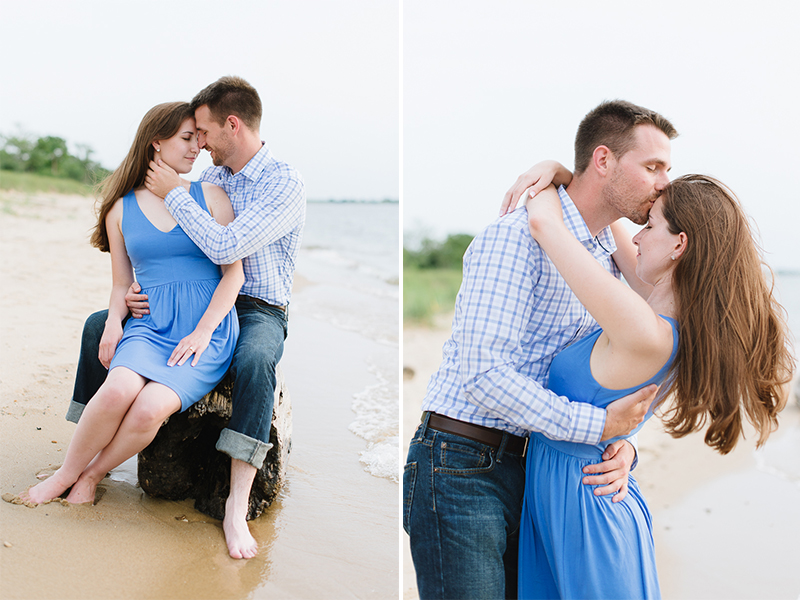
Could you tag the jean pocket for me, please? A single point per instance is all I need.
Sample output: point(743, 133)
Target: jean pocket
point(463, 459)
point(409, 479)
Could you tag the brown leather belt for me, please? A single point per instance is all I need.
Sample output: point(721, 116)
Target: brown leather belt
point(259, 301)
point(477, 433)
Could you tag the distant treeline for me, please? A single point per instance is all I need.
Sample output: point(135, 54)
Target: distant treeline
point(438, 255)
point(431, 278)
point(50, 156)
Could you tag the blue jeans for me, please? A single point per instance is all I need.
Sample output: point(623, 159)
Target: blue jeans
point(462, 502)
point(262, 331)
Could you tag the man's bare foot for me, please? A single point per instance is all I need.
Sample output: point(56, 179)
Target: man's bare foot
point(83, 491)
point(241, 544)
point(49, 489)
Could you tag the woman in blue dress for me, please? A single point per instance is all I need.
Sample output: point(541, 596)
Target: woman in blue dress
point(699, 319)
point(172, 357)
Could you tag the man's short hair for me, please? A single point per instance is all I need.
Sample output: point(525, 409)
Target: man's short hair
point(613, 124)
point(231, 96)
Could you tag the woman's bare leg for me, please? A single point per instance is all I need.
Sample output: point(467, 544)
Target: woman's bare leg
point(153, 404)
point(97, 427)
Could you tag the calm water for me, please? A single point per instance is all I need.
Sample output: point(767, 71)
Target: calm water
point(350, 255)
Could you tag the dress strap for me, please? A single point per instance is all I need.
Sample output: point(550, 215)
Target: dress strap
point(131, 212)
point(196, 192)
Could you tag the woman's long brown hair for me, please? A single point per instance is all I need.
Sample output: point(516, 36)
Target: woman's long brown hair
point(734, 356)
point(160, 123)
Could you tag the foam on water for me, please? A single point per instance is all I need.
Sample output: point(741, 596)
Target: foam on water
point(127, 471)
point(377, 422)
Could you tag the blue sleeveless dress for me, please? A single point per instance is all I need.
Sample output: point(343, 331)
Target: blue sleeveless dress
point(179, 281)
point(574, 544)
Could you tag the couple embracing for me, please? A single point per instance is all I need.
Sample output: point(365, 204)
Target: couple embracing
point(517, 481)
point(205, 269)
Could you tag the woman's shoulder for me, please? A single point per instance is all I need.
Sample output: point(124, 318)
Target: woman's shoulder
point(215, 196)
point(660, 343)
point(670, 331)
point(213, 191)
point(113, 218)
point(218, 203)
point(651, 338)
point(116, 206)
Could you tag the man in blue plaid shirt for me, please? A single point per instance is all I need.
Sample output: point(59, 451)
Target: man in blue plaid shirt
point(268, 199)
point(464, 479)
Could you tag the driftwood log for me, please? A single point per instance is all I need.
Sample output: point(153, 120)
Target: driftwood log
point(182, 461)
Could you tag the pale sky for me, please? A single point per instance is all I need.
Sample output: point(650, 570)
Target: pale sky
point(493, 87)
point(488, 89)
point(327, 73)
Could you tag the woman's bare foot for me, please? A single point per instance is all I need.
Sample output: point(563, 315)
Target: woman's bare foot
point(48, 490)
point(83, 491)
point(241, 544)
point(46, 472)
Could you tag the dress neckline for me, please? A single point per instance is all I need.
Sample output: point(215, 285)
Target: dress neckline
point(146, 218)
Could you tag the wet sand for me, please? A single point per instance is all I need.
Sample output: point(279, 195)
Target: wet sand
point(725, 526)
point(332, 532)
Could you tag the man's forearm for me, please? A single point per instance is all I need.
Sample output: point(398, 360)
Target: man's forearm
point(522, 401)
point(254, 227)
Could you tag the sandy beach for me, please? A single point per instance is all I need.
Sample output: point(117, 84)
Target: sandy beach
point(725, 526)
point(332, 532)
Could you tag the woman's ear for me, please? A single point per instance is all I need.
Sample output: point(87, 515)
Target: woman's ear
point(680, 246)
point(157, 146)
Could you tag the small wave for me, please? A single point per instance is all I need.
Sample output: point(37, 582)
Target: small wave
point(361, 264)
point(331, 257)
point(381, 460)
point(377, 422)
point(127, 472)
point(376, 331)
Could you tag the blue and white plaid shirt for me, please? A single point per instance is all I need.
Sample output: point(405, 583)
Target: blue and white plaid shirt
point(269, 202)
point(514, 313)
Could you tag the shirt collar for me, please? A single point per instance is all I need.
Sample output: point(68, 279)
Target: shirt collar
point(255, 166)
point(578, 227)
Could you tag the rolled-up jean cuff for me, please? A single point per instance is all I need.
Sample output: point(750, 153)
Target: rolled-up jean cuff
point(243, 447)
point(74, 411)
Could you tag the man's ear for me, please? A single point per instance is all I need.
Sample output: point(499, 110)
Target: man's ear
point(233, 124)
point(602, 159)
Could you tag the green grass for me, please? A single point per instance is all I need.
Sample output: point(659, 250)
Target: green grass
point(31, 182)
point(427, 292)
